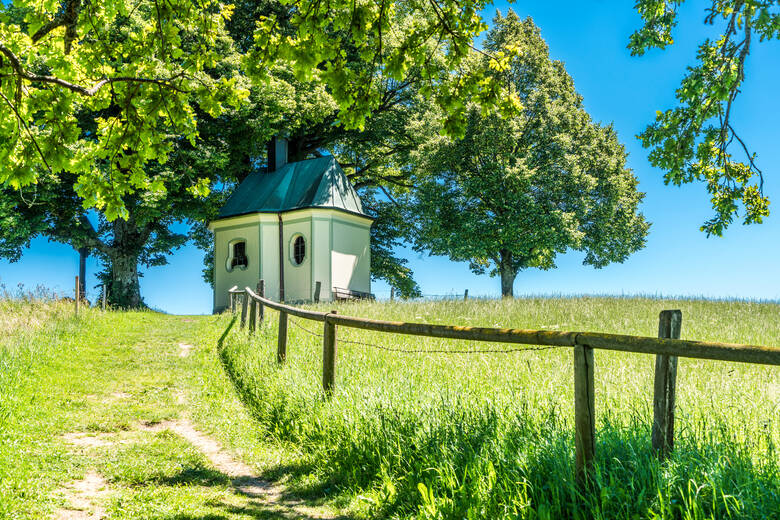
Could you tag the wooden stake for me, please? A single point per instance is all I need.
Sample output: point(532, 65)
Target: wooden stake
point(392, 293)
point(669, 326)
point(244, 309)
point(317, 289)
point(466, 295)
point(252, 315)
point(104, 297)
point(584, 414)
point(261, 307)
point(78, 295)
point(329, 356)
point(281, 347)
point(232, 303)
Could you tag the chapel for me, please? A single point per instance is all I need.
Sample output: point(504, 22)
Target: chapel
point(298, 226)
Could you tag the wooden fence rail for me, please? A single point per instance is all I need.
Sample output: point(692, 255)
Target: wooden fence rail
point(667, 347)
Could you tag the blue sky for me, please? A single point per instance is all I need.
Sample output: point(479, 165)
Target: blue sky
point(590, 38)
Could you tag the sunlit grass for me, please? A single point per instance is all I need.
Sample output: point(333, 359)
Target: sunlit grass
point(490, 435)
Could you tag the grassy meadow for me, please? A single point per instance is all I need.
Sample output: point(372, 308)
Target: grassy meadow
point(404, 436)
point(76, 397)
point(491, 435)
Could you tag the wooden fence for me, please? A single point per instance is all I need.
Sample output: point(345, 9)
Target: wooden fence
point(667, 347)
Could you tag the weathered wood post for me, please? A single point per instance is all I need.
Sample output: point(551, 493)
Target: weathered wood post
point(244, 308)
point(261, 307)
point(78, 295)
point(103, 304)
point(392, 293)
point(329, 356)
point(584, 414)
point(466, 295)
point(232, 302)
point(252, 314)
point(669, 327)
point(317, 289)
point(281, 346)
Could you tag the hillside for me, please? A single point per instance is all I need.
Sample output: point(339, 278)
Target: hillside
point(405, 435)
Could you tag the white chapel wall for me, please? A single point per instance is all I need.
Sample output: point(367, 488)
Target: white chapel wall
point(297, 278)
point(224, 278)
point(351, 255)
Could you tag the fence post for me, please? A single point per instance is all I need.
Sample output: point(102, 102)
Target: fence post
point(329, 356)
point(252, 314)
point(669, 327)
point(104, 297)
point(392, 293)
point(317, 289)
point(261, 293)
point(232, 302)
point(281, 347)
point(243, 309)
point(77, 293)
point(584, 413)
point(466, 295)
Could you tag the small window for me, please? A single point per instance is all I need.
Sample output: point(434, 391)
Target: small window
point(299, 250)
point(238, 255)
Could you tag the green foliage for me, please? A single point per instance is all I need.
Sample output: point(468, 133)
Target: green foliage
point(141, 68)
point(435, 436)
point(694, 141)
point(352, 45)
point(514, 193)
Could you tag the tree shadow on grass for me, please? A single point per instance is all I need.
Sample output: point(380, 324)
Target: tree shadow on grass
point(265, 499)
point(192, 476)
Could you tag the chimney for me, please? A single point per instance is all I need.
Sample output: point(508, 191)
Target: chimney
point(277, 153)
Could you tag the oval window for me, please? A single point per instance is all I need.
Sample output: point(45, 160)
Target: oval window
point(299, 250)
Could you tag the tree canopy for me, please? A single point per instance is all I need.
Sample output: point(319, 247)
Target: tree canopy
point(515, 192)
point(146, 68)
point(697, 140)
point(140, 67)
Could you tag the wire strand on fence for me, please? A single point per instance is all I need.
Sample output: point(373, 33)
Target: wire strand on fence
point(431, 351)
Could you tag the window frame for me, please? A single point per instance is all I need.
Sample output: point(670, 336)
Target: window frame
point(292, 250)
point(231, 257)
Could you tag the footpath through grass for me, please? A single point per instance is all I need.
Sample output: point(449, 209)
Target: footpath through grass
point(84, 404)
point(471, 436)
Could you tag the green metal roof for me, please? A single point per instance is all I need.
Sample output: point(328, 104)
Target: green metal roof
point(315, 183)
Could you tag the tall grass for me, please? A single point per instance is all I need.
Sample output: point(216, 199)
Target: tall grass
point(491, 435)
point(34, 328)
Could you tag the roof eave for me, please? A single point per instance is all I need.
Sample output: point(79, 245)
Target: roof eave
point(289, 210)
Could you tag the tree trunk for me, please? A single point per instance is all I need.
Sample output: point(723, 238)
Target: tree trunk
point(83, 254)
point(129, 240)
point(125, 291)
point(508, 274)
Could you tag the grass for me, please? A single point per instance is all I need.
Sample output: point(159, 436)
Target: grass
point(404, 436)
point(99, 377)
point(490, 435)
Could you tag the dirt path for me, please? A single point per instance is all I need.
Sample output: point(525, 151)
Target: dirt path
point(83, 498)
point(243, 478)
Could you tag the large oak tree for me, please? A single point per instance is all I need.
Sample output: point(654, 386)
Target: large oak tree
point(515, 192)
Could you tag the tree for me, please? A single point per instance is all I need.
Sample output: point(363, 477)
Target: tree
point(145, 66)
point(226, 149)
point(696, 141)
point(515, 192)
point(140, 67)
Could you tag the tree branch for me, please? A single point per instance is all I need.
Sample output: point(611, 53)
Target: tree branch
point(80, 89)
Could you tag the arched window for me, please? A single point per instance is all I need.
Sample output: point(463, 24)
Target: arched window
point(299, 250)
point(237, 255)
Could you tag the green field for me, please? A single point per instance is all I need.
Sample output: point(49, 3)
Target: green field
point(421, 435)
